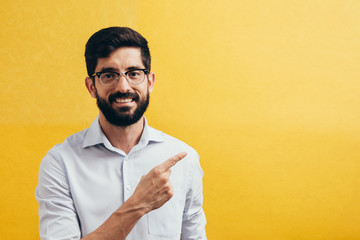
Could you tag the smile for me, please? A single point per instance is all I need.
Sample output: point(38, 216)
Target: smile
point(123, 100)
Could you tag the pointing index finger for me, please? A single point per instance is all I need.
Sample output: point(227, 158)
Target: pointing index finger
point(172, 161)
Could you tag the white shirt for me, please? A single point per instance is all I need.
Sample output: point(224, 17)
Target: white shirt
point(85, 179)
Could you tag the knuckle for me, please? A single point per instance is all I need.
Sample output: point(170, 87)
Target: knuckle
point(172, 162)
point(163, 180)
point(156, 171)
point(170, 191)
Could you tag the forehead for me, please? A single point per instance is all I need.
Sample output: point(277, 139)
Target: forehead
point(121, 59)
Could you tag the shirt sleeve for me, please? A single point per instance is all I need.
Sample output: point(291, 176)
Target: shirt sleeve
point(194, 221)
point(57, 215)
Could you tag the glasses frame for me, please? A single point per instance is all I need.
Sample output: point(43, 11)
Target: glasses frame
point(98, 74)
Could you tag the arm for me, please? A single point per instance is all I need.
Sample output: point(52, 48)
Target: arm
point(153, 191)
point(58, 218)
point(120, 223)
point(56, 207)
point(194, 220)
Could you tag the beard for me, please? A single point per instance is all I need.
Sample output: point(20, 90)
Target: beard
point(122, 116)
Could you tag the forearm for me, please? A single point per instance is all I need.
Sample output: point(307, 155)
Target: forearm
point(153, 191)
point(119, 224)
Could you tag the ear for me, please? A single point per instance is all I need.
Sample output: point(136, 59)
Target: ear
point(151, 81)
point(90, 86)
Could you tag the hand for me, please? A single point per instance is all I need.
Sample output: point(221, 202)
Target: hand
point(154, 188)
point(153, 191)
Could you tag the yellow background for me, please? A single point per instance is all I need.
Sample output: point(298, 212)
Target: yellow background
point(268, 93)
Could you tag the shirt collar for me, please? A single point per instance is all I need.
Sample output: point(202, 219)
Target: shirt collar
point(94, 135)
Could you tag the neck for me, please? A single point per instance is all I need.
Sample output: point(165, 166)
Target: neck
point(123, 138)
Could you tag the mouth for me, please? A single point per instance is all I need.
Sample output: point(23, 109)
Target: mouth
point(123, 100)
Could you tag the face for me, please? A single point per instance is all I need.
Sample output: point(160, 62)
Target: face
point(122, 104)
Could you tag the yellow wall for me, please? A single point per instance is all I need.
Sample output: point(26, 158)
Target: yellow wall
point(268, 92)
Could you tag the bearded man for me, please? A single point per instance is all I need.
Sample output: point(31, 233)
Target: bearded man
point(118, 178)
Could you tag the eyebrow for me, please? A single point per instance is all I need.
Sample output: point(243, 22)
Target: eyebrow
point(110, 69)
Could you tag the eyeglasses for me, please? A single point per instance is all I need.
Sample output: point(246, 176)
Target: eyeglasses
point(109, 78)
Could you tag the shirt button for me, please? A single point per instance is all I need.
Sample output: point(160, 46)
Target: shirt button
point(126, 158)
point(128, 187)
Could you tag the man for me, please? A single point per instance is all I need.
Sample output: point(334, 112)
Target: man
point(118, 178)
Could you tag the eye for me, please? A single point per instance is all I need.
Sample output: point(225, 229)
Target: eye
point(135, 74)
point(108, 77)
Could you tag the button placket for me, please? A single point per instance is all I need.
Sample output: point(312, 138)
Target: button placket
point(127, 180)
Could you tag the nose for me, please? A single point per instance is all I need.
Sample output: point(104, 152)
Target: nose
point(123, 85)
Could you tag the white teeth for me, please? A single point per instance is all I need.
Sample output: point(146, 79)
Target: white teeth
point(123, 100)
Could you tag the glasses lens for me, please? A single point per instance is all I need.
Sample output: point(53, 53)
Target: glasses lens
point(108, 78)
point(135, 76)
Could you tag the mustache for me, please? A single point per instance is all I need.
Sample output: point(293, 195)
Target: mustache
point(113, 96)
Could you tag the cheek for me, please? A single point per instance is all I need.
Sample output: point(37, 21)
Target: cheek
point(102, 93)
point(141, 90)
point(145, 92)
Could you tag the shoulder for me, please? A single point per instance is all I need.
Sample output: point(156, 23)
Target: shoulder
point(54, 162)
point(70, 143)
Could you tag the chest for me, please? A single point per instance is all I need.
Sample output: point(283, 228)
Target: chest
point(102, 181)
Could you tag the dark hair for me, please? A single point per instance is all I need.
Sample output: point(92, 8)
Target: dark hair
point(102, 43)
